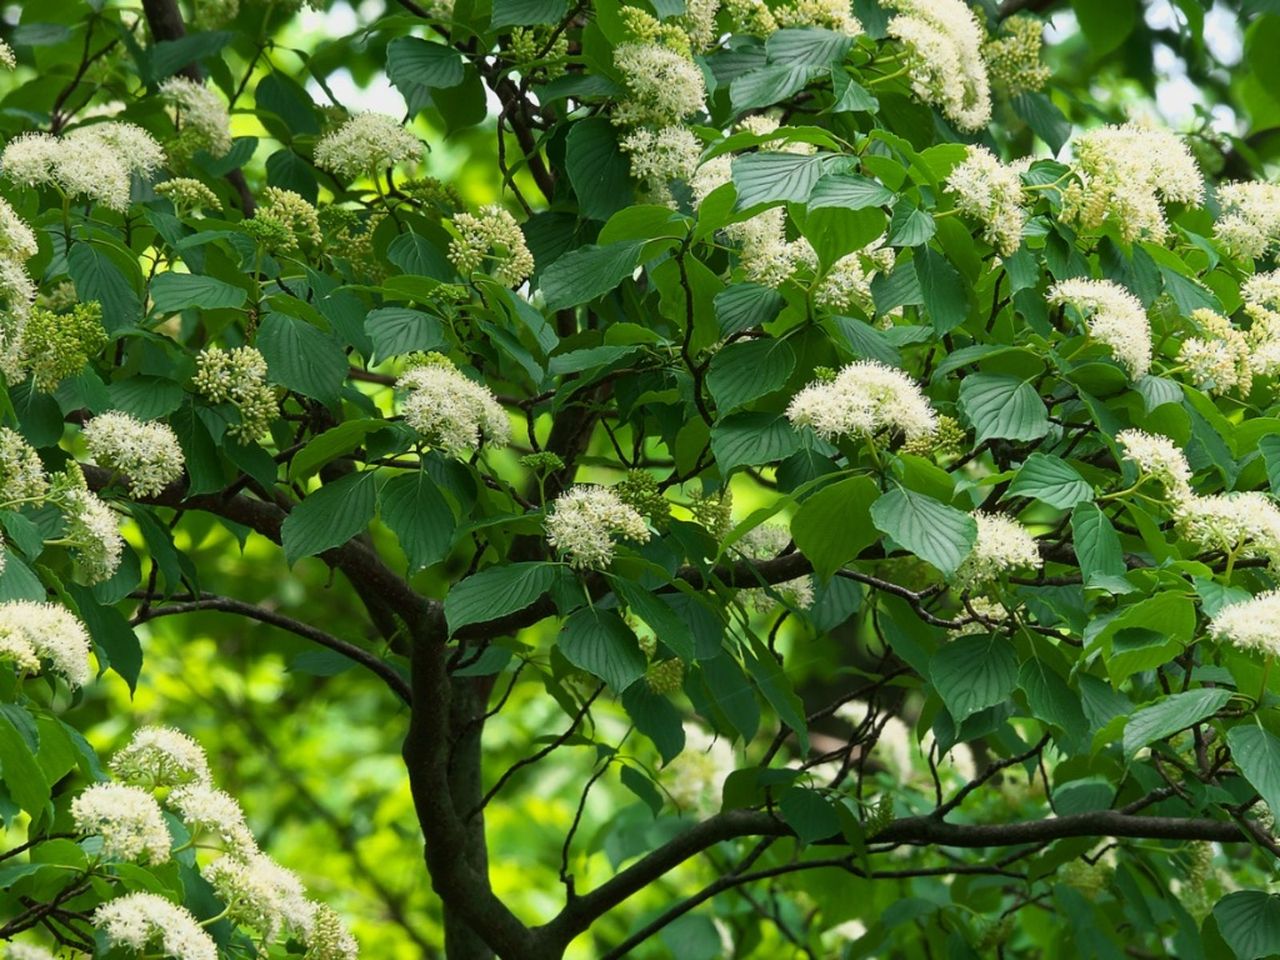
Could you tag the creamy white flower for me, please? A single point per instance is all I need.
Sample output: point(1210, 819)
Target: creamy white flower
point(1126, 175)
point(1249, 224)
point(1003, 545)
point(695, 778)
point(329, 938)
point(136, 147)
point(1252, 625)
point(10, 61)
point(143, 921)
point(201, 111)
point(716, 172)
point(1245, 523)
point(367, 144)
point(450, 410)
point(494, 242)
point(127, 818)
point(188, 193)
point(52, 634)
point(1261, 295)
point(148, 454)
point(27, 951)
point(1158, 457)
point(92, 528)
point(1113, 316)
point(991, 193)
point(942, 41)
point(866, 397)
point(238, 377)
point(834, 15)
point(94, 169)
point(206, 809)
point(660, 156)
point(261, 894)
point(1222, 360)
point(766, 255)
point(1013, 60)
point(17, 239)
point(22, 475)
point(663, 87)
point(584, 522)
point(848, 282)
point(161, 757)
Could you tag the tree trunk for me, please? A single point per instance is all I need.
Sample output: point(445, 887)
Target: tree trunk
point(466, 785)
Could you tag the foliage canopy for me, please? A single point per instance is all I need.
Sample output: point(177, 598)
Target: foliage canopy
point(795, 476)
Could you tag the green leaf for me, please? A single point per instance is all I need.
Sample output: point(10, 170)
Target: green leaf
point(910, 226)
point(101, 273)
point(330, 516)
point(752, 440)
point(931, 530)
point(1050, 480)
point(330, 445)
point(1166, 717)
point(19, 770)
point(1269, 447)
point(1257, 754)
point(1262, 39)
point(1002, 407)
point(420, 516)
point(666, 624)
point(1249, 920)
point(807, 46)
point(418, 256)
point(597, 168)
point(946, 297)
point(526, 13)
point(1096, 543)
point(1106, 24)
point(834, 525)
point(399, 330)
point(598, 642)
point(769, 177)
point(302, 358)
point(415, 62)
point(588, 272)
point(747, 370)
point(1044, 118)
point(1051, 699)
point(746, 306)
point(809, 814)
point(849, 192)
point(171, 292)
point(111, 633)
point(973, 673)
point(768, 85)
point(496, 592)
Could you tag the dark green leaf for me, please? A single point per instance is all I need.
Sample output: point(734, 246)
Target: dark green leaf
point(834, 525)
point(931, 530)
point(1005, 408)
point(752, 439)
point(496, 592)
point(744, 371)
point(973, 673)
point(330, 516)
point(599, 642)
point(421, 518)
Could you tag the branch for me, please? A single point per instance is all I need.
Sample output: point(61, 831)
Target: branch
point(383, 670)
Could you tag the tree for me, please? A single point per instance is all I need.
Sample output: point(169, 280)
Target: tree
point(803, 487)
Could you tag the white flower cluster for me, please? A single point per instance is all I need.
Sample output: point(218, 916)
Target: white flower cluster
point(257, 891)
point(1251, 625)
point(188, 193)
point(160, 757)
point(660, 156)
point(22, 475)
point(716, 172)
point(7, 56)
point(1126, 173)
point(865, 397)
point(1249, 224)
point(148, 454)
point(238, 377)
point(127, 818)
point(1261, 295)
point(1221, 361)
point(991, 192)
point(32, 633)
point(584, 522)
point(695, 778)
point(848, 282)
point(829, 14)
point(92, 528)
point(94, 162)
point(1113, 316)
point(765, 542)
point(450, 410)
point(942, 47)
point(17, 239)
point(494, 241)
point(765, 253)
point(17, 290)
point(1002, 545)
point(1159, 457)
point(200, 113)
point(663, 87)
point(366, 144)
point(27, 951)
point(1013, 60)
point(142, 921)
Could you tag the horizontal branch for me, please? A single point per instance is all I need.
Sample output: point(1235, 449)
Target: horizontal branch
point(375, 665)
